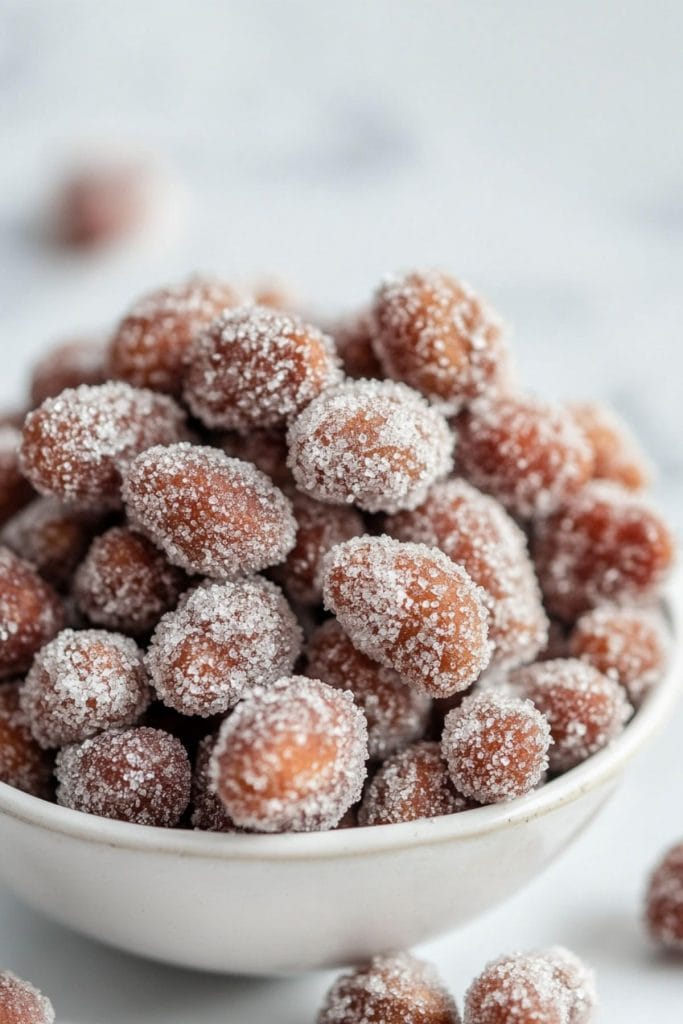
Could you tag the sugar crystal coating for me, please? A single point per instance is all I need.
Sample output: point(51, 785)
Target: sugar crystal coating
point(22, 1003)
point(52, 536)
point(319, 528)
point(75, 446)
point(67, 365)
point(210, 514)
point(30, 613)
point(81, 683)
point(393, 989)
point(125, 583)
point(448, 602)
point(442, 705)
point(475, 531)
point(496, 747)
point(291, 757)
point(411, 608)
point(630, 645)
point(616, 453)
point(376, 444)
point(396, 713)
point(257, 367)
point(435, 334)
point(531, 988)
point(151, 345)
point(15, 490)
point(137, 775)
point(586, 710)
point(606, 545)
point(224, 640)
point(577, 978)
point(353, 336)
point(23, 764)
point(412, 784)
point(664, 901)
point(267, 449)
point(208, 811)
point(528, 454)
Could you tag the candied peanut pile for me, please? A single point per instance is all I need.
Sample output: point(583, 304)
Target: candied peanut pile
point(263, 575)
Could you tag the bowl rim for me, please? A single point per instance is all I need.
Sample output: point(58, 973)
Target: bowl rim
point(599, 770)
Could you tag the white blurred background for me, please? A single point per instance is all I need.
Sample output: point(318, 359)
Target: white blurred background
point(534, 148)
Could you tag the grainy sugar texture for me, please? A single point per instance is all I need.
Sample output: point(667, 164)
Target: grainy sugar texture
point(258, 367)
point(138, 775)
point(83, 682)
point(410, 608)
point(530, 988)
point(376, 444)
point(75, 446)
point(319, 528)
point(396, 713)
point(22, 762)
point(210, 514)
point(579, 980)
point(412, 784)
point(528, 454)
point(586, 709)
point(475, 531)
point(51, 536)
point(151, 346)
point(392, 989)
point(224, 640)
point(496, 747)
point(291, 757)
point(605, 546)
point(22, 1003)
point(126, 583)
point(435, 334)
point(630, 645)
point(469, 577)
point(30, 614)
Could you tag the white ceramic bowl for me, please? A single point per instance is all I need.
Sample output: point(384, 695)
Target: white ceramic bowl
point(270, 904)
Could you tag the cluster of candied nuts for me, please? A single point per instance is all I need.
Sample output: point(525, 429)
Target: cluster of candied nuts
point(259, 576)
point(548, 986)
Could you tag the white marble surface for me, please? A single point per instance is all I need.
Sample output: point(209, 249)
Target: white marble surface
point(535, 148)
